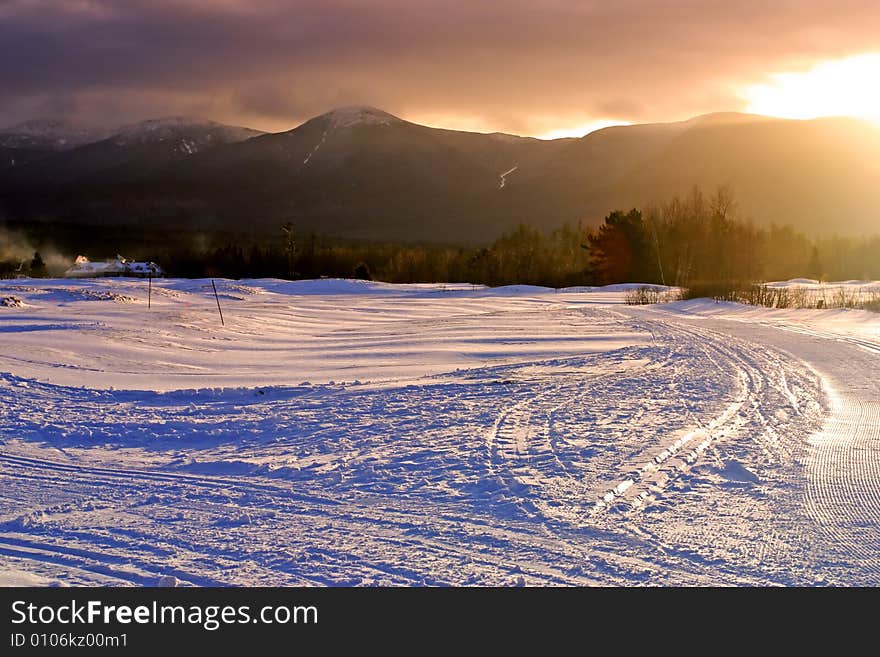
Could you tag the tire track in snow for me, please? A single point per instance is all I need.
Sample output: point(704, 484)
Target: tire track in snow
point(843, 464)
point(843, 485)
point(516, 445)
point(841, 461)
point(639, 486)
point(524, 446)
point(150, 551)
point(529, 448)
point(676, 458)
point(128, 474)
point(118, 549)
point(48, 556)
point(124, 567)
point(522, 440)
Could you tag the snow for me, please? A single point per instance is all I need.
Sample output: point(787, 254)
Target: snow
point(191, 134)
point(349, 117)
point(858, 327)
point(315, 149)
point(504, 175)
point(339, 432)
point(346, 117)
point(794, 282)
point(831, 291)
point(14, 577)
point(162, 125)
point(330, 328)
point(54, 134)
point(188, 147)
point(508, 138)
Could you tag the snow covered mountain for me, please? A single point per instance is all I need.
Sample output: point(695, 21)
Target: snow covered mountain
point(17, 157)
point(361, 172)
point(345, 117)
point(37, 139)
point(188, 135)
point(50, 135)
point(132, 152)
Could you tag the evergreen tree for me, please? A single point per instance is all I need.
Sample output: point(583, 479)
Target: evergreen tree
point(621, 251)
point(38, 267)
point(814, 268)
point(362, 272)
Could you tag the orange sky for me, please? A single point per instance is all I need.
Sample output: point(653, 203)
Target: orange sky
point(552, 67)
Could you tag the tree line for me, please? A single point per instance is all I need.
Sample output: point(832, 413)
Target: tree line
point(686, 241)
point(526, 255)
point(699, 240)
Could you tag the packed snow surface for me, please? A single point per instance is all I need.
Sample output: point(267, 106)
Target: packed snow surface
point(355, 433)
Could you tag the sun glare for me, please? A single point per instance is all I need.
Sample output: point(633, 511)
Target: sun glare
point(581, 129)
point(844, 87)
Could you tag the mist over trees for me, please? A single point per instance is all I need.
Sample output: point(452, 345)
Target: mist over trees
point(684, 241)
point(699, 239)
point(525, 255)
point(679, 242)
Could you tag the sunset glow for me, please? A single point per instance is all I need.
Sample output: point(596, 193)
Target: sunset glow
point(382, 294)
point(581, 129)
point(548, 70)
point(845, 87)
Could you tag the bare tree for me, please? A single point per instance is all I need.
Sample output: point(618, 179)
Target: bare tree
point(290, 248)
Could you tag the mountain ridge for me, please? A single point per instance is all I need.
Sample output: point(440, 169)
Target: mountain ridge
point(361, 172)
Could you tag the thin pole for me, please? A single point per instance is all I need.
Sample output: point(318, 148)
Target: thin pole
point(150, 292)
point(218, 303)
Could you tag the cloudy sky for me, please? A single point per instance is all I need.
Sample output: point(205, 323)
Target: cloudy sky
point(533, 67)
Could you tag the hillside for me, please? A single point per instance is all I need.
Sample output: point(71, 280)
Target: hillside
point(360, 172)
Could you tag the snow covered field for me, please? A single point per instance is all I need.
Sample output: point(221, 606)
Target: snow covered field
point(353, 433)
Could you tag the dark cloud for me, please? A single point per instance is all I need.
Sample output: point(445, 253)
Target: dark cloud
point(515, 65)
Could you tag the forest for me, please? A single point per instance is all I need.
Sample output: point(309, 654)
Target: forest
point(695, 240)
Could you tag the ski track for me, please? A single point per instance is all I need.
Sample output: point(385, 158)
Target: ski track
point(843, 494)
point(503, 177)
point(841, 460)
point(710, 455)
point(316, 148)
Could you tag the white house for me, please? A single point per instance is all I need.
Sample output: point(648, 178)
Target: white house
point(84, 268)
point(143, 269)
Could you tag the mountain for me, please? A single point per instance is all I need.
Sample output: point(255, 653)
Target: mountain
point(133, 152)
point(17, 157)
point(33, 140)
point(360, 172)
point(819, 175)
point(50, 135)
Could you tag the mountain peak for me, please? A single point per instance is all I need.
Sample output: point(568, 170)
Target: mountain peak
point(50, 134)
point(166, 123)
point(176, 127)
point(508, 138)
point(724, 118)
point(43, 126)
point(343, 117)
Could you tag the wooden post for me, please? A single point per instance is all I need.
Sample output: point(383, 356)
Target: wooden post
point(222, 323)
point(150, 290)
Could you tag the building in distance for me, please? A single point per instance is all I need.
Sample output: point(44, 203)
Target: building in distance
point(119, 266)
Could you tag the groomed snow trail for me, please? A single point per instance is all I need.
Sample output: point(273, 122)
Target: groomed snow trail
point(843, 492)
point(550, 438)
point(842, 459)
